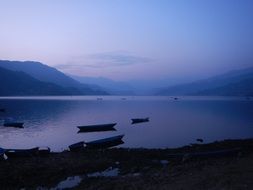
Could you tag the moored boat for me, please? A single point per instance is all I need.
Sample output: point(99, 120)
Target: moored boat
point(2, 110)
point(140, 120)
point(77, 146)
point(98, 144)
point(22, 152)
point(14, 124)
point(97, 128)
point(105, 143)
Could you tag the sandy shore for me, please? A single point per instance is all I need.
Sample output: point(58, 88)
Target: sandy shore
point(136, 168)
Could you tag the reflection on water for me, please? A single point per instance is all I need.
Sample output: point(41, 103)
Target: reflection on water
point(52, 121)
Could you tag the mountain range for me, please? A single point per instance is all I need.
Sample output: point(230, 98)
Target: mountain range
point(35, 78)
point(233, 83)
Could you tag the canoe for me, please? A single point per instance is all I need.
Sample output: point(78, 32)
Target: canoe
point(77, 146)
point(105, 143)
point(44, 151)
point(22, 152)
point(2, 110)
point(140, 120)
point(97, 128)
point(97, 144)
point(14, 124)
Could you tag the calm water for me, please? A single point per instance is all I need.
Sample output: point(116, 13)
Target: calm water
point(52, 121)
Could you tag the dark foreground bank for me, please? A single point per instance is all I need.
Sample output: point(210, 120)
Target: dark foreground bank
point(197, 166)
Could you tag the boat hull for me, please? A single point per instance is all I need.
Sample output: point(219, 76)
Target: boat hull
point(22, 152)
point(77, 146)
point(140, 120)
point(105, 143)
point(97, 128)
point(14, 124)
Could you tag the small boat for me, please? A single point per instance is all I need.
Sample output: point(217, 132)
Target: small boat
point(22, 152)
point(77, 146)
point(140, 120)
point(200, 140)
point(14, 124)
point(98, 144)
point(44, 150)
point(96, 128)
point(105, 143)
point(2, 110)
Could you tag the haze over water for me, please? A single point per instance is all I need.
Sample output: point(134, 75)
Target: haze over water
point(52, 121)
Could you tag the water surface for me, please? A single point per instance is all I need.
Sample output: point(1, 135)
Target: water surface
point(52, 121)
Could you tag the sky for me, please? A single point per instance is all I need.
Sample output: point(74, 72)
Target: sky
point(130, 39)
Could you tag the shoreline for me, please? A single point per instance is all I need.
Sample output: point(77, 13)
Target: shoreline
point(137, 168)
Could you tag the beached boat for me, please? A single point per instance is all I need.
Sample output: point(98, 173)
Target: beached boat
point(2, 110)
point(22, 152)
point(98, 144)
point(44, 151)
point(105, 143)
point(140, 120)
point(14, 124)
point(96, 128)
point(77, 146)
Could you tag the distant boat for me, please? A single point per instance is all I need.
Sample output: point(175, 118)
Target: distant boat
point(2, 110)
point(97, 128)
point(98, 144)
point(22, 152)
point(140, 120)
point(14, 124)
point(200, 140)
point(99, 98)
point(105, 143)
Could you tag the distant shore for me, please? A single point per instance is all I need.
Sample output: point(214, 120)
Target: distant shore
point(137, 168)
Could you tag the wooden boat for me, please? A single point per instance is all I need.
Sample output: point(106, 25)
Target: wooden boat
point(2, 110)
point(97, 144)
point(96, 128)
point(44, 150)
point(105, 143)
point(140, 120)
point(14, 124)
point(77, 146)
point(200, 140)
point(22, 152)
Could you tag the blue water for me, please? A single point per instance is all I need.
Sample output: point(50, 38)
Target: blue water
point(52, 121)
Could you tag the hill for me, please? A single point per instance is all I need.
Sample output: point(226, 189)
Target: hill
point(17, 83)
point(51, 75)
point(234, 83)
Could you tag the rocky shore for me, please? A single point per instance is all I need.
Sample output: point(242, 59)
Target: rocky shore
point(121, 168)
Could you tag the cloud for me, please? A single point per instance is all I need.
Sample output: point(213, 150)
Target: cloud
point(116, 59)
point(104, 60)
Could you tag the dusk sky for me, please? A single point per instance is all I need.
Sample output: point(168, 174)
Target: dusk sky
point(130, 39)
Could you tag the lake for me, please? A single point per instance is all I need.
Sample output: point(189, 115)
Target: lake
point(52, 121)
